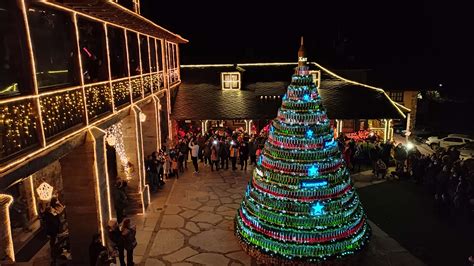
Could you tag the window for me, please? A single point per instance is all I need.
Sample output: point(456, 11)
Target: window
point(118, 64)
point(153, 55)
point(230, 80)
point(54, 47)
point(160, 55)
point(11, 50)
point(316, 76)
point(92, 45)
point(396, 96)
point(133, 56)
point(144, 54)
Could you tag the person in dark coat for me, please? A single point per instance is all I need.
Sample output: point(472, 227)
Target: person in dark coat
point(244, 154)
point(120, 200)
point(95, 248)
point(252, 150)
point(224, 155)
point(52, 225)
point(129, 240)
point(115, 240)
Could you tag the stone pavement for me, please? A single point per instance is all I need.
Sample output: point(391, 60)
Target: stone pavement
point(190, 222)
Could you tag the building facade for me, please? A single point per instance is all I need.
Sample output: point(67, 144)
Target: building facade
point(78, 82)
point(248, 97)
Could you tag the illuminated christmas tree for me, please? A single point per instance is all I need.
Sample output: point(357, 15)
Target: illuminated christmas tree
point(300, 205)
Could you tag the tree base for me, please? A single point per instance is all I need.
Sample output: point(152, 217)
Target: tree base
point(267, 259)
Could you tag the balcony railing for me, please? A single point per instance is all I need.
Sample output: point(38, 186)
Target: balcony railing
point(121, 91)
point(147, 84)
point(98, 99)
point(61, 111)
point(136, 83)
point(19, 125)
point(174, 76)
point(65, 110)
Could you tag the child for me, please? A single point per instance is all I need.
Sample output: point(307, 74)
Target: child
point(174, 166)
point(166, 165)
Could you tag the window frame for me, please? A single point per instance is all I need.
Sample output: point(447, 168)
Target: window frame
point(231, 82)
point(105, 57)
point(396, 96)
point(75, 70)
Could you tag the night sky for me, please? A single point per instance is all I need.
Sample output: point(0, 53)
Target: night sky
point(429, 42)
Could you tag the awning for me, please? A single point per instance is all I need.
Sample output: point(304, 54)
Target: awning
point(112, 12)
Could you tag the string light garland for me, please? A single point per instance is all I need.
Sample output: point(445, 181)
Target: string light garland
point(114, 137)
point(300, 206)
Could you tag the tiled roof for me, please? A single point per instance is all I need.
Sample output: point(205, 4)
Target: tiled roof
point(200, 96)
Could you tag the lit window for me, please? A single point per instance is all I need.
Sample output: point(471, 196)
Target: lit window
point(230, 80)
point(316, 76)
point(396, 96)
point(52, 35)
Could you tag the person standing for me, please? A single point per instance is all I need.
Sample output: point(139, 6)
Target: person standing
point(214, 158)
point(95, 248)
point(120, 200)
point(233, 153)
point(194, 147)
point(252, 151)
point(129, 240)
point(52, 225)
point(115, 240)
point(244, 154)
point(207, 152)
point(224, 155)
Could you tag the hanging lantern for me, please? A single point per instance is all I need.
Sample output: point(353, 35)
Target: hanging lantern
point(45, 191)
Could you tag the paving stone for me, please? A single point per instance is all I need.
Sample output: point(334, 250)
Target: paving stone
point(207, 217)
point(182, 264)
point(234, 206)
point(240, 256)
point(205, 226)
point(153, 262)
point(172, 209)
point(231, 213)
point(237, 196)
point(212, 197)
point(209, 259)
point(172, 221)
point(191, 204)
point(223, 209)
point(227, 224)
point(222, 193)
point(206, 209)
point(166, 241)
point(236, 264)
point(180, 255)
point(213, 203)
point(185, 232)
point(192, 227)
point(216, 240)
point(189, 213)
point(226, 200)
point(203, 199)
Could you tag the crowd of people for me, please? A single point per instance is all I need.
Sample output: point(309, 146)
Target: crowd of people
point(216, 149)
point(450, 179)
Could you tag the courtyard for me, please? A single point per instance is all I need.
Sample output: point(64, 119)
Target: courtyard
point(190, 222)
